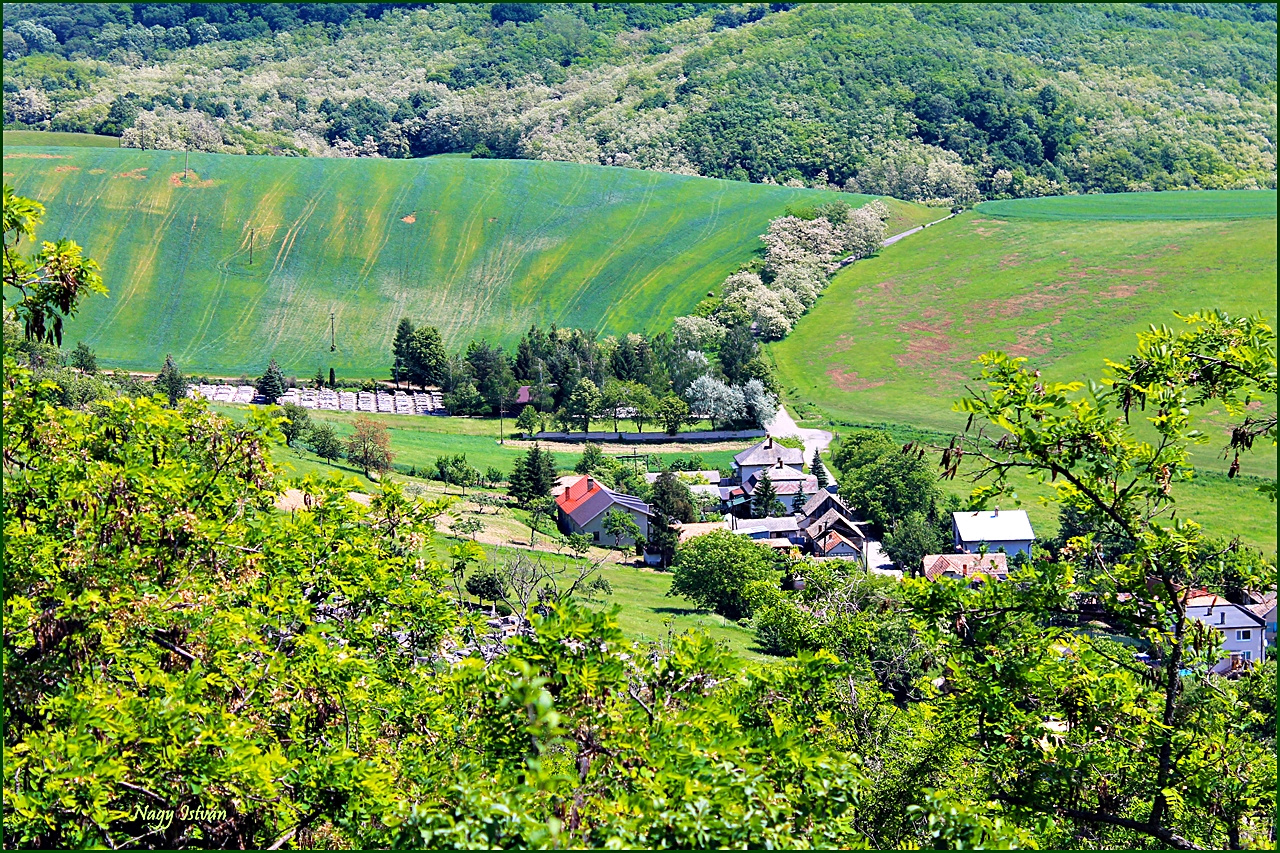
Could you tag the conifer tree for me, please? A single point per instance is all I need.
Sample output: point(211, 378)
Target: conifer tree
point(816, 469)
point(271, 384)
point(171, 383)
point(764, 500)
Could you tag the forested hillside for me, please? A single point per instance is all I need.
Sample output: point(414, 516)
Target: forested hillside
point(919, 101)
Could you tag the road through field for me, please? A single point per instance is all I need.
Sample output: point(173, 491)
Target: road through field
point(784, 425)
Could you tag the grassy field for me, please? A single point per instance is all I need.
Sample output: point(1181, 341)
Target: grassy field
point(67, 140)
point(475, 247)
point(417, 441)
point(1143, 207)
point(893, 339)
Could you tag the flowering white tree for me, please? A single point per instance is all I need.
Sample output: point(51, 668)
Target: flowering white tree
point(168, 129)
point(29, 106)
point(803, 280)
point(697, 333)
point(761, 406)
point(863, 230)
point(715, 400)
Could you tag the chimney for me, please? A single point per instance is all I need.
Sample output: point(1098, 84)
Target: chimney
point(768, 441)
point(779, 461)
point(997, 511)
point(590, 484)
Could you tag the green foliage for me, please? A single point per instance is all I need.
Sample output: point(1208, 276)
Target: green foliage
point(271, 384)
point(765, 502)
point(170, 382)
point(585, 403)
point(83, 359)
point(486, 585)
point(914, 537)
point(715, 571)
point(1191, 773)
point(672, 498)
point(297, 422)
point(619, 524)
point(672, 413)
point(527, 422)
point(52, 282)
point(324, 442)
point(532, 476)
point(891, 484)
point(591, 460)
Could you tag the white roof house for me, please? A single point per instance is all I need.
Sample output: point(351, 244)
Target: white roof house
point(1007, 529)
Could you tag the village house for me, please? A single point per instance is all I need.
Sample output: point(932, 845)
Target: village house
point(1243, 631)
point(966, 567)
point(767, 454)
point(583, 502)
point(828, 529)
point(994, 530)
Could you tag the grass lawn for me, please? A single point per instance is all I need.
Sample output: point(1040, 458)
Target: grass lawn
point(244, 259)
point(59, 139)
point(647, 614)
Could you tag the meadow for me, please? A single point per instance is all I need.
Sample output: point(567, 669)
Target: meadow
point(893, 340)
point(67, 140)
point(416, 442)
point(245, 258)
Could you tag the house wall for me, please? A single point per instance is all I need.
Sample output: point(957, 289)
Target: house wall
point(1228, 620)
point(1011, 547)
point(595, 527)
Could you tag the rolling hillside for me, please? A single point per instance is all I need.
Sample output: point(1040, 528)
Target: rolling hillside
point(1065, 282)
point(475, 247)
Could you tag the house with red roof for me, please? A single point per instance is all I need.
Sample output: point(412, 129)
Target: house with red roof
point(584, 501)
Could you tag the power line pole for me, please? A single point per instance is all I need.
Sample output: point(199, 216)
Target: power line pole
point(333, 343)
point(251, 235)
point(186, 163)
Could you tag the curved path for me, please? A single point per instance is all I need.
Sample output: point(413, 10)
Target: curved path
point(814, 439)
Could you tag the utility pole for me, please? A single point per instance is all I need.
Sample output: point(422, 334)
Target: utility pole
point(333, 343)
point(251, 235)
point(502, 401)
point(186, 163)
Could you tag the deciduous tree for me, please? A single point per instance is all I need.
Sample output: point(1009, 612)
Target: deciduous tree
point(369, 447)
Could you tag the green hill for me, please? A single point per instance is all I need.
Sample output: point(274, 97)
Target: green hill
point(475, 247)
point(894, 337)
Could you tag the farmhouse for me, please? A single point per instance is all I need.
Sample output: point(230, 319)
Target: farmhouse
point(1009, 531)
point(1243, 631)
point(767, 454)
point(583, 503)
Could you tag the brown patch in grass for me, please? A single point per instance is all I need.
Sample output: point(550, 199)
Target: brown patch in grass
point(917, 326)
point(8, 174)
point(1013, 260)
point(66, 169)
point(190, 180)
point(492, 219)
point(1029, 343)
point(411, 218)
point(27, 156)
point(97, 171)
point(135, 174)
point(850, 381)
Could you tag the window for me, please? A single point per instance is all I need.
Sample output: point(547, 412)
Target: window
point(1244, 636)
point(1222, 616)
point(1248, 655)
point(595, 536)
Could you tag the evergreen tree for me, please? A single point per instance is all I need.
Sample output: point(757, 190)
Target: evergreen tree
point(816, 468)
point(400, 350)
point(318, 379)
point(764, 500)
point(333, 379)
point(671, 497)
point(271, 384)
point(533, 476)
point(171, 382)
point(798, 502)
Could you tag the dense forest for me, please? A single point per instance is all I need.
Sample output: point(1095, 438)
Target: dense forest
point(919, 101)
